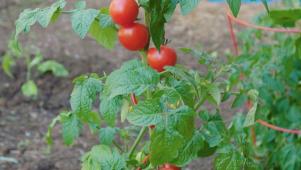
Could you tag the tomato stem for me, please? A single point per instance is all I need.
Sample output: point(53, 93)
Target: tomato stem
point(137, 141)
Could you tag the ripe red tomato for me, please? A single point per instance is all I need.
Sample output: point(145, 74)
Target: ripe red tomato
point(152, 127)
point(124, 12)
point(133, 37)
point(158, 60)
point(169, 167)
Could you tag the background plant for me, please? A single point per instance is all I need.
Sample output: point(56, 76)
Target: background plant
point(33, 62)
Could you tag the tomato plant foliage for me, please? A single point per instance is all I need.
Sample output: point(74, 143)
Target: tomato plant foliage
point(171, 116)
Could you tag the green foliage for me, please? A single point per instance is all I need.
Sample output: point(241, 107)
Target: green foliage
point(181, 107)
point(54, 67)
point(84, 93)
point(132, 77)
point(102, 157)
point(29, 89)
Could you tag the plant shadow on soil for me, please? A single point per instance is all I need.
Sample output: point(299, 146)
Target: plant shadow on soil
point(23, 122)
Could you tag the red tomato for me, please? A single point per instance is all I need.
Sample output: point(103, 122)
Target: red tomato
point(158, 60)
point(134, 37)
point(124, 12)
point(169, 167)
point(152, 127)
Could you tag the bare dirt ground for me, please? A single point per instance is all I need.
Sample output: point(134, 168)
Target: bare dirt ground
point(23, 122)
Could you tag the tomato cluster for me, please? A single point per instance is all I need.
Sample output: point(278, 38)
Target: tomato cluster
point(134, 36)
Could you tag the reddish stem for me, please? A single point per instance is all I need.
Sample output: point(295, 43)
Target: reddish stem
point(298, 132)
point(246, 24)
point(232, 34)
point(134, 99)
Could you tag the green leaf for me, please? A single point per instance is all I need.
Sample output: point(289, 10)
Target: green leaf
point(71, 127)
point(84, 93)
point(48, 136)
point(107, 135)
point(105, 19)
point(54, 67)
point(105, 36)
point(239, 100)
point(164, 146)
point(290, 156)
point(30, 16)
point(157, 22)
point(286, 17)
point(102, 157)
point(26, 19)
point(7, 63)
point(109, 108)
point(206, 150)
point(80, 5)
point(228, 161)
point(234, 6)
point(215, 93)
point(29, 89)
point(132, 77)
point(46, 15)
point(189, 151)
point(146, 113)
point(124, 110)
point(82, 21)
point(188, 5)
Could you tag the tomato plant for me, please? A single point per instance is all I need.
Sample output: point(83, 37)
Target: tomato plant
point(147, 117)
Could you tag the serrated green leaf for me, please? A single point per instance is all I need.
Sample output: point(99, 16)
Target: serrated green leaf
point(146, 113)
point(102, 157)
point(165, 146)
point(46, 15)
point(189, 151)
point(188, 5)
point(26, 19)
point(29, 89)
point(84, 93)
point(234, 6)
point(215, 93)
point(82, 20)
point(107, 135)
point(54, 67)
point(132, 77)
point(228, 161)
point(105, 19)
point(109, 108)
point(105, 36)
point(71, 127)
